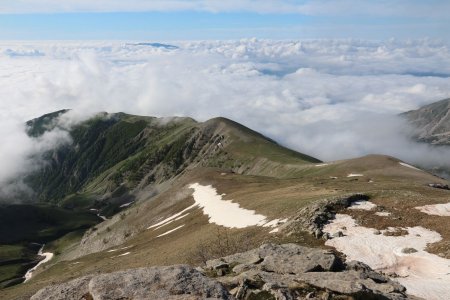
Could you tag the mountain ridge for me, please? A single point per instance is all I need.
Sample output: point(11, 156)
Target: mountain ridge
point(162, 222)
point(119, 152)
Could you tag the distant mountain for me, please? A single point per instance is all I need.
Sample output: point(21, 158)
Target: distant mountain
point(157, 45)
point(432, 122)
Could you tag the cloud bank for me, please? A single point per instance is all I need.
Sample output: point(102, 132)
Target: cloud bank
point(330, 99)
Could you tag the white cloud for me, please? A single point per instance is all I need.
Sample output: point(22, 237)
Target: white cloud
point(329, 99)
point(20, 155)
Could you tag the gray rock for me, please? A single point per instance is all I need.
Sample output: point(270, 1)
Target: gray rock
point(338, 234)
point(74, 290)
point(318, 233)
point(295, 259)
point(243, 268)
point(247, 258)
point(287, 258)
point(326, 236)
point(286, 271)
point(313, 217)
point(288, 268)
point(174, 282)
point(215, 263)
point(409, 250)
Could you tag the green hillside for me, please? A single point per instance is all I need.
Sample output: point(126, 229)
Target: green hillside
point(113, 155)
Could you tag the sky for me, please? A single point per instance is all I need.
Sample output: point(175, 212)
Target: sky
point(326, 78)
point(217, 19)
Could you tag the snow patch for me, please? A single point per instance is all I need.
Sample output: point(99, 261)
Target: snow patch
point(224, 212)
point(47, 257)
point(173, 217)
point(442, 210)
point(176, 219)
point(102, 217)
point(354, 175)
point(119, 249)
point(126, 204)
point(362, 205)
point(383, 213)
point(409, 166)
point(423, 274)
point(275, 222)
point(123, 254)
point(321, 165)
point(170, 231)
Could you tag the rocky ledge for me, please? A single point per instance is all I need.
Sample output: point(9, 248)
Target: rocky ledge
point(313, 217)
point(269, 272)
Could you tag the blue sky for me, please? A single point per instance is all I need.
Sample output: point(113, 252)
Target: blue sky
point(198, 19)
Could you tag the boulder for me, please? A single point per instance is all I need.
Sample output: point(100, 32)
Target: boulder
point(174, 282)
point(287, 271)
point(73, 290)
point(291, 271)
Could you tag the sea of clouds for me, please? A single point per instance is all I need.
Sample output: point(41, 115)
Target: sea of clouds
point(332, 99)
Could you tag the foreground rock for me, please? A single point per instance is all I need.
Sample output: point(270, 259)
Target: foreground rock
point(175, 282)
point(269, 272)
point(294, 272)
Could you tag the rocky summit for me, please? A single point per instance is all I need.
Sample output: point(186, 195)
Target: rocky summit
point(286, 271)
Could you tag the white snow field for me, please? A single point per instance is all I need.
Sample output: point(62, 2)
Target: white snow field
point(221, 212)
point(423, 274)
point(224, 212)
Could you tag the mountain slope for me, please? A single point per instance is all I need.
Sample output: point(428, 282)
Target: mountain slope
point(432, 122)
point(164, 221)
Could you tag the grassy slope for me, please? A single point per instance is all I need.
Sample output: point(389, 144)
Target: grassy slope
point(396, 188)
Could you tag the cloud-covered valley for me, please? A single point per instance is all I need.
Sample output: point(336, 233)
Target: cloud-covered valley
point(330, 99)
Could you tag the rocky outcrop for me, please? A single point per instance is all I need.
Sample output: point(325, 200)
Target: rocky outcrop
point(294, 272)
point(174, 282)
point(271, 271)
point(439, 186)
point(312, 218)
